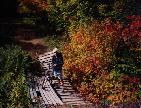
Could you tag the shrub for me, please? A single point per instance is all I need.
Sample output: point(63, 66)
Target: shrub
point(128, 50)
point(93, 56)
point(92, 47)
point(63, 13)
point(15, 64)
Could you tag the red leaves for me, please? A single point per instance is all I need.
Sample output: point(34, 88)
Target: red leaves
point(134, 17)
point(90, 53)
point(133, 80)
point(135, 24)
point(132, 31)
point(111, 27)
point(108, 28)
point(139, 34)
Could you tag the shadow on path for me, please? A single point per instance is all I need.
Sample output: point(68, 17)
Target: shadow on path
point(33, 49)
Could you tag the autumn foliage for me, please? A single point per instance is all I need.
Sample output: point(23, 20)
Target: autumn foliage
point(35, 5)
point(92, 56)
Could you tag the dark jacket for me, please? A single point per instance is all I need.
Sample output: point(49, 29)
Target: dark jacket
point(58, 60)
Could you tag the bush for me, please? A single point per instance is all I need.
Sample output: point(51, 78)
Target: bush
point(15, 64)
point(94, 56)
point(63, 13)
point(92, 47)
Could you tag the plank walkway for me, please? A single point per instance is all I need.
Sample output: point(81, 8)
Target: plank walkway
point(44, 95)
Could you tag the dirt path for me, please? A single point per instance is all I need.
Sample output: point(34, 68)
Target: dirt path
point(30, 42)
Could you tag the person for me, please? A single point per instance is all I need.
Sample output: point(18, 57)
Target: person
point(57, 63)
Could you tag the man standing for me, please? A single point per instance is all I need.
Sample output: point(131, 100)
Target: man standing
point(57, 63)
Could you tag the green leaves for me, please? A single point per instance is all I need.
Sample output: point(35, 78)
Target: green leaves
point(13, 89)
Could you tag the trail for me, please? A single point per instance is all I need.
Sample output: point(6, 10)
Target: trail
point(30, 41)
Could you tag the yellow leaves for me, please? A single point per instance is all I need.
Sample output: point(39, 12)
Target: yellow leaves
point(116, 98)
point(90, 53)
point(58, 2)
point(73, 1)
point(16, 93)
point(74, 75)
point(139, 85)
point(118, 92)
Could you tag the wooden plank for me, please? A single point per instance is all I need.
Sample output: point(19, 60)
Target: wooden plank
point(45, 57)
point(42, 60)
point(34, 92)
point(45, 64)
point(50, 94)
point(48, 57)
point(32, 95)
point(50, 61)
point(54, 96)
point(46, 54)
point(76, 100)
point(47, 96)
point(43, 96)
point(44, 80)
point(69, 96)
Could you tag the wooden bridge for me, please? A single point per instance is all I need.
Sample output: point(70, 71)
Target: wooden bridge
point(45, 95)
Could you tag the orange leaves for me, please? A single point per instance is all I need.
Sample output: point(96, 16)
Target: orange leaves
point(90, 47)
point(106, 87)
point(84, 89)
point(79, 38)
point(88, 55)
